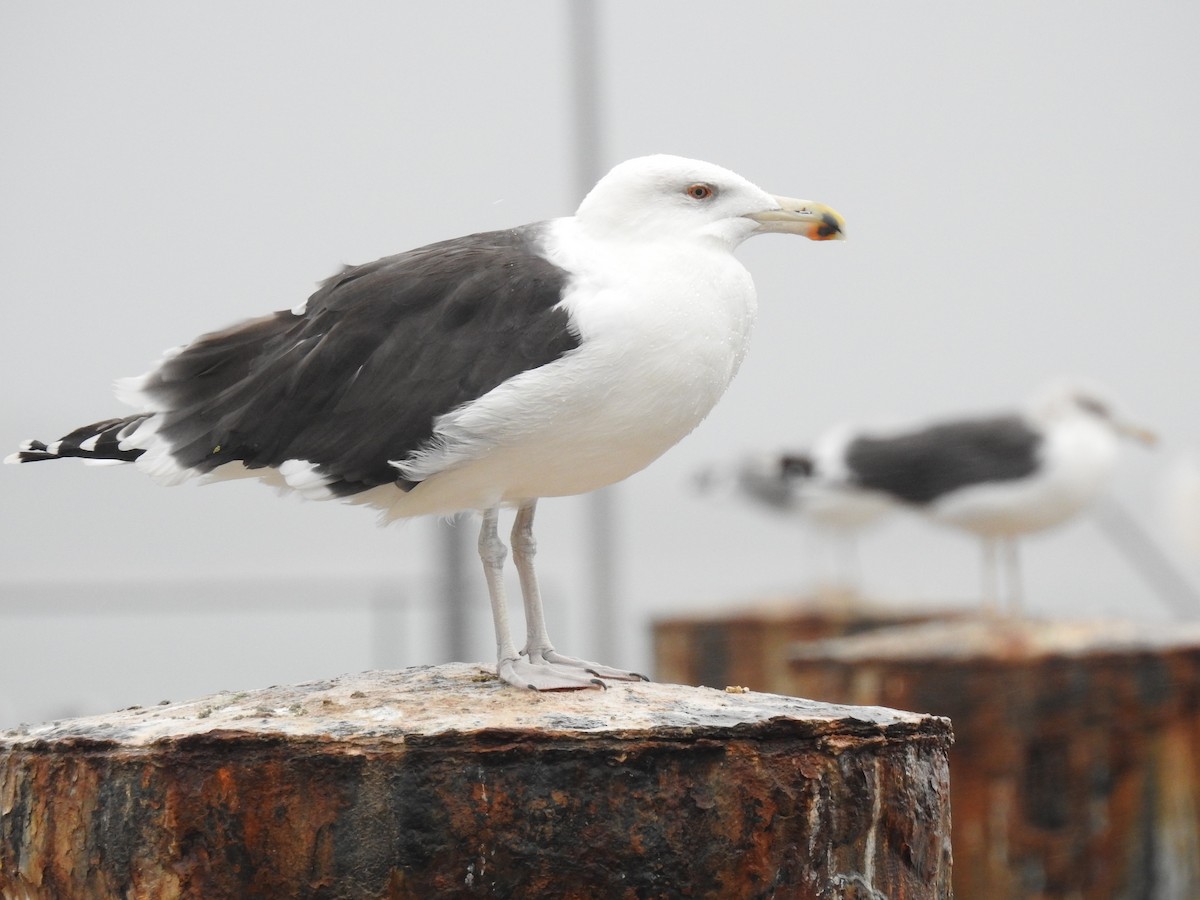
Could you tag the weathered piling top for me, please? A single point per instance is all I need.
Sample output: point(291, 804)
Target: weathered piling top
point(443, 782)
point(998, 638)
point(409, 705)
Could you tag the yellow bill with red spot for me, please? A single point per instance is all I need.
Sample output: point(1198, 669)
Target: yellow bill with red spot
point(807, 218)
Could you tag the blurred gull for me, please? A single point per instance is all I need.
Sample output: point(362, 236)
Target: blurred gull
point(997, 476)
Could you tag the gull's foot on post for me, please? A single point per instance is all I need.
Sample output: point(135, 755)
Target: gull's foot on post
point(553, 657)
point(548, 670)
point(543, 676)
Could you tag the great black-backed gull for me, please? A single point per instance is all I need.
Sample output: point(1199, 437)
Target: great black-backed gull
point(478, 373)
point(998, 476)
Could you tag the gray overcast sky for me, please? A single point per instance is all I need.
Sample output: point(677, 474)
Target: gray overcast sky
point(1019, 181)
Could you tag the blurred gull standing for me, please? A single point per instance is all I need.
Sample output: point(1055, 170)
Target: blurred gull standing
point(999, 476)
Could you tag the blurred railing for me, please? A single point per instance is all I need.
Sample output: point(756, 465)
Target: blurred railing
point(73, 647)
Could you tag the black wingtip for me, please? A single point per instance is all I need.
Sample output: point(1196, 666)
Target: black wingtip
point(31, 451)
point(105, 439)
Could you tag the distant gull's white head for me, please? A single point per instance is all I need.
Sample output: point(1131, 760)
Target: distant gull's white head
point(1070, 398)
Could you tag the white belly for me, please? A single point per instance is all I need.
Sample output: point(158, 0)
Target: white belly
point(655, 356)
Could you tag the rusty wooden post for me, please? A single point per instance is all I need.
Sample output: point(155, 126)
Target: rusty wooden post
point(752, 645)
point(440, 782)
point(1075, 771)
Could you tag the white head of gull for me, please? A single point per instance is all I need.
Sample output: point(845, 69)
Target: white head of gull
point(481, 372)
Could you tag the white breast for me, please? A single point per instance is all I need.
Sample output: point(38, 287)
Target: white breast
point(663, 330)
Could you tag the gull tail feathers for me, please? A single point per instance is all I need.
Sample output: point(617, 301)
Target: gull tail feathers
point(99, 443)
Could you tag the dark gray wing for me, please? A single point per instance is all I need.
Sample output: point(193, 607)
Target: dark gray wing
point(381, 351)
point(921, 466)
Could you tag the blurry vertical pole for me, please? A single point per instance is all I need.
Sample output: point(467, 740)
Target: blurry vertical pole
point(454, 536)
point(584, 44)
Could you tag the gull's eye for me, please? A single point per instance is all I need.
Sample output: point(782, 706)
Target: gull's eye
point(700, 191)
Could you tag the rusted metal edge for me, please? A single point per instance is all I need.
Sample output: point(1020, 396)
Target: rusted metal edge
point(830, 735)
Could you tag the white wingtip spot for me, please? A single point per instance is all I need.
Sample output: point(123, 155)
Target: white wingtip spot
point(158, 464)
point(300, 308)
point(89, 446)
point(302, 475)
point(156, 461)
point(12, 459)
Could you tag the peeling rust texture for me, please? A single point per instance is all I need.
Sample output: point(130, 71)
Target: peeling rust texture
point(1076, 763)
point(502, 794)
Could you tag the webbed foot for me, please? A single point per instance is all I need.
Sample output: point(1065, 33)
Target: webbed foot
point(545, 676)
point(555, 658)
